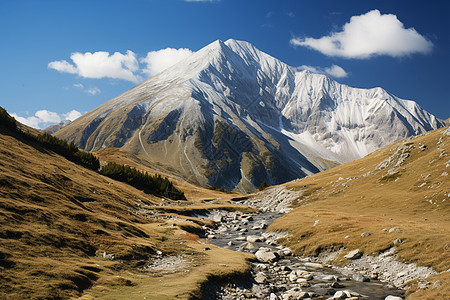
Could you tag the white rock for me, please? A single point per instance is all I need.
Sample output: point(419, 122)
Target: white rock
point(394, 229)
point(329, 278)
point(286, 251)
point(247, 246)
point(302, 282)
point(339, 295)
point(265, 255)
point(260, 278)
point(292, 276)
point(260, 267)
point(313, 265)
point(354, 254)
point(108, 256)
point(254, 239)
point(390, 297)
point(397, 242)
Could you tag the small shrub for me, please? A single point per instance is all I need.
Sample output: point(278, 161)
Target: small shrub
point(6, 120)
point(263, 186)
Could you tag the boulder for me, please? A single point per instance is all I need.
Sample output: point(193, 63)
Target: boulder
point(293, 276)
point(302, 282)
point(394, 229)
point(329, 278)
point(397, 242)
point(265, 255)
point(255, 239)
point(260, 278)
point(247, 246)
point(354, 254)
point(313, 265)
point(261, 267)
point(339, 295)
point(390, 297)
point(286, 251)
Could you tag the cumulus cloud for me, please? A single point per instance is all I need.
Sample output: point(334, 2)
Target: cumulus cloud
point(334, 70)
point(157, 61)
point(48, 116)
point(100, 64)
point(72, 115)
point(369, 35)
point(93, 91)
point(44, 118)
point(78, 85)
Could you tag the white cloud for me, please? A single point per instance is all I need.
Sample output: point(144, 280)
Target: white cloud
point(93, 91)
point(160, 60)
point(100, 64)
point(63, 66)
point(369, 35)
point(30, 121)
point(72, 115)
point(334, 70)
point(44, 118)
point(48, 116)
point(78, 85)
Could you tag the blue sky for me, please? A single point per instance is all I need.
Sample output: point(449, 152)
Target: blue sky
point(62, 58)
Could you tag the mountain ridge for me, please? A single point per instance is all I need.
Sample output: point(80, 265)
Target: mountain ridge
point(233, 116)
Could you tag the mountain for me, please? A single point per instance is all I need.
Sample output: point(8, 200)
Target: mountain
point(56, 127)
point(233, 116)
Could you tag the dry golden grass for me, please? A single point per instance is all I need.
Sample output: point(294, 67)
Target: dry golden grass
point(376, 203)
point(210, 263)
point(57, 219)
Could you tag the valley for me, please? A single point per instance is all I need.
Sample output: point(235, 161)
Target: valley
point(224, 150)
point(372, 228)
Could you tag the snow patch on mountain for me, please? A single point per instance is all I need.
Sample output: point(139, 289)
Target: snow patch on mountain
point(231, 115)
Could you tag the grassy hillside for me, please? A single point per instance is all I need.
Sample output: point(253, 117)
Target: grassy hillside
point(398, 192)
point(192, 192)
point(67, 231)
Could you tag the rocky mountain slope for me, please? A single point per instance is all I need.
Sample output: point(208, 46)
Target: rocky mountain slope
point(233, 116)
point(385, 215)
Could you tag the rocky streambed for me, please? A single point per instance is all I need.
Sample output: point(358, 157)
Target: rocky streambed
point(277, 274)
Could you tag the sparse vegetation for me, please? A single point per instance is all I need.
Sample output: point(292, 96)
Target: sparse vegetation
point(219, 189)
point(68, 150)
point(263, 186)
point(152, 184)
point(6, 120)
point(409, 202)
point(48, 141)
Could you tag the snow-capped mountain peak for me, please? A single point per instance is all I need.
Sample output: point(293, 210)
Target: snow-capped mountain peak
point(231, 115)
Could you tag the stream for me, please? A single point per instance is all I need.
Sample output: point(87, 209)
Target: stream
point(277, 274)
